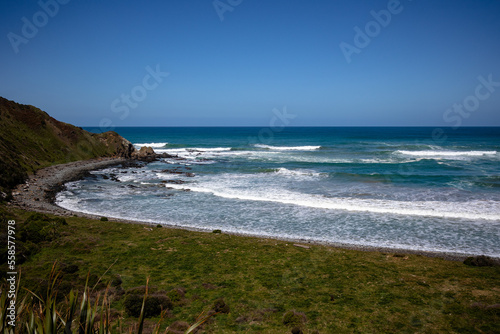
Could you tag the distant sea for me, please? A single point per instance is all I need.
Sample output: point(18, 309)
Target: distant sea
point(402, 188)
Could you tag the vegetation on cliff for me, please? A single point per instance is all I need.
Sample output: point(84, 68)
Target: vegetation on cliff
point(30, 139)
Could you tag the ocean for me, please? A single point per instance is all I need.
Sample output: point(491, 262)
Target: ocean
point(421, 189)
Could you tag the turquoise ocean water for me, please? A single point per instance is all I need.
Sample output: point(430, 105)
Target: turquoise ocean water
point(409, 188)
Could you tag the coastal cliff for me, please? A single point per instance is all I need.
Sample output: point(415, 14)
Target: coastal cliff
point(30, 139)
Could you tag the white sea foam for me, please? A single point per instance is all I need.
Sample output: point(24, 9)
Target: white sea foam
point(195, 153)
point(297, 173)
point(167, 176)
point(209, 149)
point(127, 177)
point(448, 154)
point(288, 148)
point(193, 150)
point(473, 210)
point(153, 145)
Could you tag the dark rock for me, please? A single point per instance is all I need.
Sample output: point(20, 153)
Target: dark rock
point(173, 181)
point(169, 156)
point(171, 171)
point(146, 153)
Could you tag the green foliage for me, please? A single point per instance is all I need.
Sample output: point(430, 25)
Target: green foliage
point(104, 219)
point(481, 261)
point(133, 305)
point(30, 139)
point(176, 295)
point(40, 314)
point(294, 319)
point(39, 227)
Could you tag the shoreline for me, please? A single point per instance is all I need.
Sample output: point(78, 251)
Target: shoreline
point(38, 194)
point(39, 190)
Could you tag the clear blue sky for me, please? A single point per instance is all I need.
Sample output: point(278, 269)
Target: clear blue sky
point(232, 65)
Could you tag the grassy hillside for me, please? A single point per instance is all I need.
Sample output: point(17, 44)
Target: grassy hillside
point(30, 139)
point(262, 282)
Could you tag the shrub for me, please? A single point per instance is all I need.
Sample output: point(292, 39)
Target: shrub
point(96, 282)
point(60, 221)
point(116, 281)
point(104, 219)
point(217, 231)
point(39, 227)
point(176, 295)
point(481, 261)
point(140, 290)
point(70, 268)
point(294, 318)
point(155, 303)
point(220, 306)
point(133, 305)
point(24, 250)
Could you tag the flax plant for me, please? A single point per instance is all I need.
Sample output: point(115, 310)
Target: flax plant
point(43, 317)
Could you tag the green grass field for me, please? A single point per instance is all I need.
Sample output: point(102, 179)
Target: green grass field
point(337, 290)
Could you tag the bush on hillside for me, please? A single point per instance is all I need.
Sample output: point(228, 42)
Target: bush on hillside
point(154, 305)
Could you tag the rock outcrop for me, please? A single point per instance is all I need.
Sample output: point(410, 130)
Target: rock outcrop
point(120, 146)
point(30, 139)
point(146, 153)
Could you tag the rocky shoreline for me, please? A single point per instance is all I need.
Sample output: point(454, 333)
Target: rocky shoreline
point(39, 191)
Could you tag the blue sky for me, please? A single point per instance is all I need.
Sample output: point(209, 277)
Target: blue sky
point(232, 62)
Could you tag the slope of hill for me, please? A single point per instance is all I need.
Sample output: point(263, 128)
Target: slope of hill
point(30, 139)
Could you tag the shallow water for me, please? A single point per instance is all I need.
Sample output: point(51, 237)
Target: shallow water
point(384, 187)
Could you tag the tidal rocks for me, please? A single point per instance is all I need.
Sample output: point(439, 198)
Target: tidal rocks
point(173, 181)
point(146, 153)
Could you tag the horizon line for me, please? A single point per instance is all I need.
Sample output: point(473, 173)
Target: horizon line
point(294, 126)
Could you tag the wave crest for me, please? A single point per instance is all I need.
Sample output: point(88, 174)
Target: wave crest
point(153, 145)
point(288, 148)
point(447, 154)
